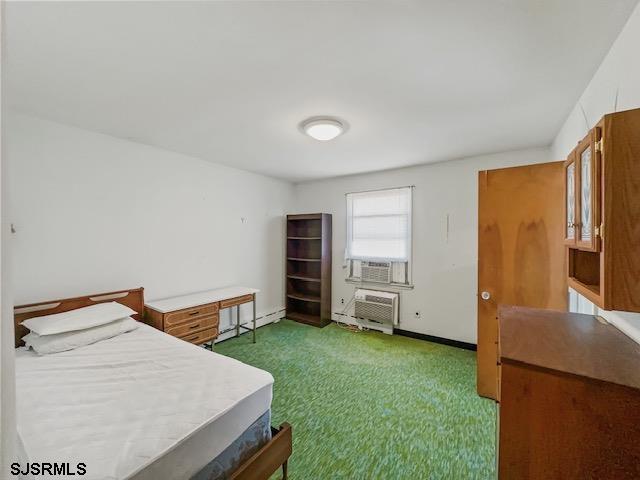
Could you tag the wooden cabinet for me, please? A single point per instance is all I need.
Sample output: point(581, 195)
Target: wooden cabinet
point(309, 268)
point(570, 398)
point(196, 325)
point(602, 207)
point(582, 194)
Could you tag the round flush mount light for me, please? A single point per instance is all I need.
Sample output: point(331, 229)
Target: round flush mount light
point(323, 128)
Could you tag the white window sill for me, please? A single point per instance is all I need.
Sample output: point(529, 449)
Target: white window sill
point(356, 281)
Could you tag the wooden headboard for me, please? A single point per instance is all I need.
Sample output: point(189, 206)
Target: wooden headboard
point(133, 299)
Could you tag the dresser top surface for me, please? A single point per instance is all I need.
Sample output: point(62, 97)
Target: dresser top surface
point(172, 304)
point(570, 343)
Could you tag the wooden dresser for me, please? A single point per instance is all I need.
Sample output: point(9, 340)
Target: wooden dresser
point(570, 397)
point(195, 317)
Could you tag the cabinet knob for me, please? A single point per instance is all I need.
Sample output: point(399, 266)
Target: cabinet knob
point(485, 295)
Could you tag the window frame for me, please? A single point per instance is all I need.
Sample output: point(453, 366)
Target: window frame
point(349, 262)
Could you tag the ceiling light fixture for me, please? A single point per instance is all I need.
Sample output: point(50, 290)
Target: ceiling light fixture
point(323, 128)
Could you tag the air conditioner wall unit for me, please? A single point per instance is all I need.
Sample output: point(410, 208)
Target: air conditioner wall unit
point(377, 272)
point(377, 308)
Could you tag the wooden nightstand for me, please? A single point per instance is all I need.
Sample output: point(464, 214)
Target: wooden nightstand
point(195, 317)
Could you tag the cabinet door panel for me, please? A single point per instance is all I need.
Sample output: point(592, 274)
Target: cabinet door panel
point(571, 200)
point(589, 193)
point(586, 219)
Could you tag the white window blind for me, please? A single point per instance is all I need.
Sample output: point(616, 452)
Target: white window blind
point(379, 225)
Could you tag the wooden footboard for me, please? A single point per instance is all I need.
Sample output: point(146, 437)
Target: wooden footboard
point(269, 458)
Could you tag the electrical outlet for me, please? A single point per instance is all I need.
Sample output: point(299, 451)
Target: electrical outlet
point(417, 315)
point(342, 301)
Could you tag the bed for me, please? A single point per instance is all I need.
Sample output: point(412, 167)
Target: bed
point(145, 405)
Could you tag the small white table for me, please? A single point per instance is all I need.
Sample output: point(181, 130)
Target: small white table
point(227, 297)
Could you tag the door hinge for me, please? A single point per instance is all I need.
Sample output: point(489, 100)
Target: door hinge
point(599, 231)
point(599, 146)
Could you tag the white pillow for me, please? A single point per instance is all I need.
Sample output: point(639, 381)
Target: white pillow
point(61, 342)
point(78, 319)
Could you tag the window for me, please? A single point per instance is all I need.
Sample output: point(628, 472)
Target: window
point(379, 229)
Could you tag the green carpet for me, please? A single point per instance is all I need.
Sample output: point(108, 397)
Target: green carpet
point(371, 406)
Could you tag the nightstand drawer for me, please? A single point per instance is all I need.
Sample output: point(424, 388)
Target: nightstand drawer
point(201, 337)
point(236, 301)
point(182, 316)
point(196, 325)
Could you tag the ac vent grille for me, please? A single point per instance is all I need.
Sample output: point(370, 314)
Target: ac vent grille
point(378, 307)
point(379, 272)
point(379, 264)
point(374, 298)
point(373, 311)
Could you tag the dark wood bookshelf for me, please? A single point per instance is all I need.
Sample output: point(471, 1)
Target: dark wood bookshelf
point(308, 274)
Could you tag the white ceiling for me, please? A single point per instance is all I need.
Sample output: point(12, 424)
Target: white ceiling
point(229, 82)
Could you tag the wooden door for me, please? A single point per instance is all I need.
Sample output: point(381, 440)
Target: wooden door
point(571, 199)
point(521, 254)
point(587, 159)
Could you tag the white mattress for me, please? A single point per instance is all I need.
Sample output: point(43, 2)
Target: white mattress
point(142, 405)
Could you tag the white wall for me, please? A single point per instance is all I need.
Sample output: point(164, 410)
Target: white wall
point(444, 272)
point(95, 213)
point(619, 72)
point(7, 370)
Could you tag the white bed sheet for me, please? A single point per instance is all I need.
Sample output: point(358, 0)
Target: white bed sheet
point(142, 405)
